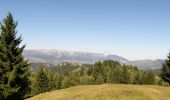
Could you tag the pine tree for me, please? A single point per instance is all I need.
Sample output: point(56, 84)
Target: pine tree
point(116, 76)
point(150, 79)
point(52, 77)
point(67, 82)
point(144, 78)
point(165, 74)
point(100, 79)
point(99, 73)
point(125, 75)
point(42, 84)
point(14, 70)
point(59, 82)
point(137, 79)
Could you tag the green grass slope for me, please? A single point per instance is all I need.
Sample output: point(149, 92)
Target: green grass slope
point(108, 92)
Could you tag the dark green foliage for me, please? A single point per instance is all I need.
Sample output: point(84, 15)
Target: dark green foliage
point(144, 78)
point(42, 82)
point(45, 80)
point(111, 63)
point(80, 76)
point(150, 80)
point(113, 72)
point(59, 82)
point(67, 82)
point(100, 73)
point(64, 67)
point(116, 76)
point(125, 75)
point(137, 79)
point(14, 70)
point(52, 78)
point(135, 68)
point(165, 74)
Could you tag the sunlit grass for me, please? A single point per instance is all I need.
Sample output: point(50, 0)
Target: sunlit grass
point(108, 92)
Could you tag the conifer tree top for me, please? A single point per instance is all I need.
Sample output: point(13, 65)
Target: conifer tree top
point(14, 70)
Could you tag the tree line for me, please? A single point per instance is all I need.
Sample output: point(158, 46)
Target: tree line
point(18, 82)
point(106, 72)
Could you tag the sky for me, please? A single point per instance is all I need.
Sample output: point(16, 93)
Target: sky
point(134, 29)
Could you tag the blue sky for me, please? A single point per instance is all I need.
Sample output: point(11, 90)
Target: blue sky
point(134, 29)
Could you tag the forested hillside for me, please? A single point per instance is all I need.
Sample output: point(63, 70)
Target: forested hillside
point(107, 72)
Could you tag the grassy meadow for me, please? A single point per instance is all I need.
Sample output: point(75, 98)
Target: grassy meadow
point(108, 92)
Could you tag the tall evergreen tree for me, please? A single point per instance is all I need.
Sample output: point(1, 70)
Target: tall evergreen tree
point(59, 82)
point(125, 75)
point(116, 76)
point(42, 84)
point(98, 73)
point(137, 79)
point(150, 79)
point(14, 70)
point(67, 82)
point(52, 78)
point(165, 74)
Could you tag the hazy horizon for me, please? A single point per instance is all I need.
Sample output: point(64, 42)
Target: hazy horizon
point(135, 30)
point(102, 53)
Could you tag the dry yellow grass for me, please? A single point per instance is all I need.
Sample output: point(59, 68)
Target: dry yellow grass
point(108, 92)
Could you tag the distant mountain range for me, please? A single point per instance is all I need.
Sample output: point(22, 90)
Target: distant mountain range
point(56, 56)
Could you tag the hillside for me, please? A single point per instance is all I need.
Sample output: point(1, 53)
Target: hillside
point(55, 56)
point(108, 92)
